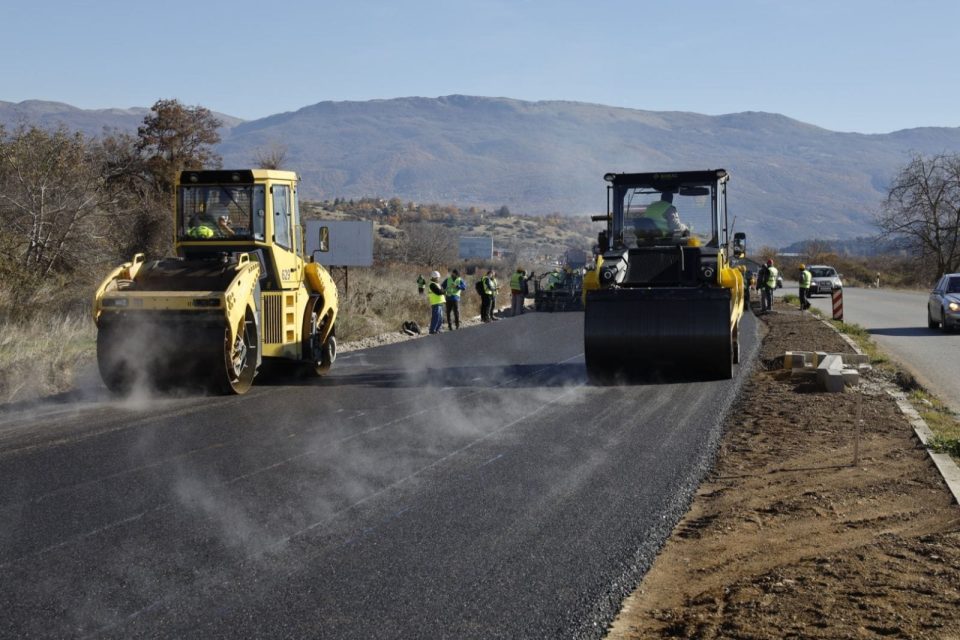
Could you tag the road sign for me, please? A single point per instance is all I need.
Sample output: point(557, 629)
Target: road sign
point(349, 243)
point(476, 247)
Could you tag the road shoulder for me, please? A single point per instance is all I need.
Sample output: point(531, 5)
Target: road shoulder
point(789, 538)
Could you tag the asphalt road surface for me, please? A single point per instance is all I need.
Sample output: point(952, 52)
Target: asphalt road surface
point(897, 321)
point(466, 485)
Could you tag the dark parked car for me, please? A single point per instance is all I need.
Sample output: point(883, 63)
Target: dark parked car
point(943, 306)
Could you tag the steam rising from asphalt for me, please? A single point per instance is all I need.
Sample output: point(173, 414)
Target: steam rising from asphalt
point(268, 499)
point(345, 460)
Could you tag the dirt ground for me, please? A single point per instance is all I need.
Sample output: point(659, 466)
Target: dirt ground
point(788, 538)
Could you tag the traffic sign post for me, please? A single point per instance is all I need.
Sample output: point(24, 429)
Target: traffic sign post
point(838, 304)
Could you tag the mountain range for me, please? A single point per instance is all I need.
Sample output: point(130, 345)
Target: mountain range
point(789, 180)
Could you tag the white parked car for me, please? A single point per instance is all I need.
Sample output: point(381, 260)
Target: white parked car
point(943, 305)
point(825, 280)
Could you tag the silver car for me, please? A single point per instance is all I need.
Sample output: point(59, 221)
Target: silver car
point(943, 306)
point(825, 280)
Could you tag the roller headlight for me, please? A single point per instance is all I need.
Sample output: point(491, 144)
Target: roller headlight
point(608, 275)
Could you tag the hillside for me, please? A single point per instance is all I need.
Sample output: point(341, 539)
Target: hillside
point(92, 122)
point(790, 180)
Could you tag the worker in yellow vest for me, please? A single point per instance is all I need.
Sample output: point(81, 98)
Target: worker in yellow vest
point(769, 284)
point(489, 300)
point(437, 302)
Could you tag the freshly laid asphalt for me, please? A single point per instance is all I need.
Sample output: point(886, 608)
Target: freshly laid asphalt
point(472, 484)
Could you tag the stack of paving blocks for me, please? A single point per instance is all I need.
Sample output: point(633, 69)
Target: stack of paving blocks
point(833, 371)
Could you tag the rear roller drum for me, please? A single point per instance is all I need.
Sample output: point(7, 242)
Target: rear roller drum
point(324, 355)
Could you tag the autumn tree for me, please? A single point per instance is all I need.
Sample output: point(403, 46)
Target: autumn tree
point(141, 172)
point(174, 138)
point(922, 210)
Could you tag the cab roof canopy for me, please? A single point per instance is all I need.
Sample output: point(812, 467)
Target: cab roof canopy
point(237, 176)
point(669, 181)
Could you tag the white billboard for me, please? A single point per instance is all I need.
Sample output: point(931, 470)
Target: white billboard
point(348, 243)
point(476, 247)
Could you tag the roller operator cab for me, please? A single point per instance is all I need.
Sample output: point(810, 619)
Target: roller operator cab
point(239, 291)
point(666, 295)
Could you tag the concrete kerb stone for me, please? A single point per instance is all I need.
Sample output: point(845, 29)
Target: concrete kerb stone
point(945, 464)
point(833, 371)
point(830, 373)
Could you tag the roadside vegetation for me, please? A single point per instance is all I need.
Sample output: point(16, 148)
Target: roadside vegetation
point(943, 422)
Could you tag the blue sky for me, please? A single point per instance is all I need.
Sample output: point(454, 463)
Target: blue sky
point(871, 66)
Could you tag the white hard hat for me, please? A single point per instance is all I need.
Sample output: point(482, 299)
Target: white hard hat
point(435, 274)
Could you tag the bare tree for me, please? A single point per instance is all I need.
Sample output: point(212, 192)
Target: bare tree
point(50, 189)
point(139, 210)
point(428, 244)
point(922, 209)
point(816, 251)
point(271, 157)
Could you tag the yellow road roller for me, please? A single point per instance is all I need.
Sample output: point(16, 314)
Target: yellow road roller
point(240, 291)
point(666, 297)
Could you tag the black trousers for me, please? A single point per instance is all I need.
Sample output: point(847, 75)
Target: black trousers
point(804, 298)
point(453, 310)
point(484, 307)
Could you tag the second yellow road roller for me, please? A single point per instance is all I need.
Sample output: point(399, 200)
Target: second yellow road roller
point(240, 290)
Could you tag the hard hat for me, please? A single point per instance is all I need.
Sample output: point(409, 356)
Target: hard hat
point(434, 275)
point(802, 266)
point(769, 262)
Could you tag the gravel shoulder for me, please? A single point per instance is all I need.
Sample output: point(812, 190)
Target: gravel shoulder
point(788, 538)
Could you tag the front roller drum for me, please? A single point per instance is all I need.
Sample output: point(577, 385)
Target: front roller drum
point(641, 332)
point(175, 353)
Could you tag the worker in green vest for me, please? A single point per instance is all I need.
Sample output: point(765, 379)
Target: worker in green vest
point(516, 291)
point(805, 279)
point(666, 216)
point(452, 287)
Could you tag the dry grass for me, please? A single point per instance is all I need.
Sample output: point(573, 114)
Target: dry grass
point(381, 299)
point(42, 356)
